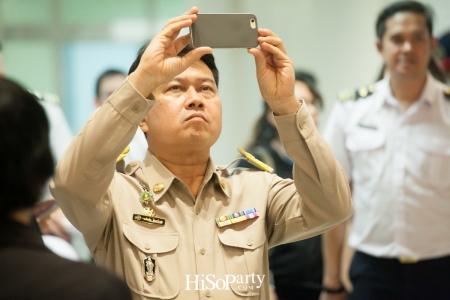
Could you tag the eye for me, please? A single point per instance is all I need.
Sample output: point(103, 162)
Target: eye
point(173, 88)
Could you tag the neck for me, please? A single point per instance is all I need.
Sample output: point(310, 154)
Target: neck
point(190, 168)
point(407, 90)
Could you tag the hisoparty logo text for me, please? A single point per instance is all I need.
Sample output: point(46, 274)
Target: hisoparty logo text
point(210, 282)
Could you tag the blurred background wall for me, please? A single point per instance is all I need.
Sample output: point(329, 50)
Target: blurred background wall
point(61, 46)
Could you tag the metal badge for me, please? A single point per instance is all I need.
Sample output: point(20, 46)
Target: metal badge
point(158, 187)
point(149, 268)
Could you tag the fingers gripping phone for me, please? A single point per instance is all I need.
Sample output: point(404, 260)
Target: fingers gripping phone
point(225, 31)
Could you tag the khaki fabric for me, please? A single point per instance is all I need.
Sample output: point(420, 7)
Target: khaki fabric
point(194, 258)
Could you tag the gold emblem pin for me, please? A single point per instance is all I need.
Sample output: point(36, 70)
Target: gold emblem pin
point(222, 184)
point(158, 187)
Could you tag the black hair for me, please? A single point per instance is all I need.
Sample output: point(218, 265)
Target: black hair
point(264, 132)
point(311, 82)
point(107, 73)
point(208, 59)
point(403, 6)
point(25, 157)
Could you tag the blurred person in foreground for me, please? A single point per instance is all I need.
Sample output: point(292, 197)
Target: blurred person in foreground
point(109, 81)
point(296, 267)
point(393, 141)
point(28, 269)
point(57, 232)
point(165, 225)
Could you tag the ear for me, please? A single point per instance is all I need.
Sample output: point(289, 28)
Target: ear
point(433, 44)
point(143, 125)
point(379, 45)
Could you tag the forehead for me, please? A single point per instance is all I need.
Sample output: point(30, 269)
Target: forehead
point(197, 71)
point(404, 22)
point(111, 80)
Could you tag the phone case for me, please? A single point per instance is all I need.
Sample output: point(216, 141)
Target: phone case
point(225, 31)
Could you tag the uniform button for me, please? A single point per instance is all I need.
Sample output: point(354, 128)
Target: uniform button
point(133, 164)
point(202, 251)
point(147, 247)
point(249, 242)
point(208, 294)
point(135, 108)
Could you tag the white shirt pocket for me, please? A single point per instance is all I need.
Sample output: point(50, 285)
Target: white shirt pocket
point(366, 148)
point(433, 159)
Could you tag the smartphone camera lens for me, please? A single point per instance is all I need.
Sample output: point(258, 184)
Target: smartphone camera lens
point(253, 23)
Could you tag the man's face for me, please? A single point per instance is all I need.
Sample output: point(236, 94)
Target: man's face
point(406, 45)
point(303, 92)
point(107, 86)
point(187, 113)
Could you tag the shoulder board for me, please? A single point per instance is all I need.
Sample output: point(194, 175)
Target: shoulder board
point(132, 167)
point(447, 93)
point(355, 94)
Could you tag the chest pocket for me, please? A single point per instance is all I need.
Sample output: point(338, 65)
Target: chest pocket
point(366, 147)
point(162, 249)
point(243, 254)
point(434, 161)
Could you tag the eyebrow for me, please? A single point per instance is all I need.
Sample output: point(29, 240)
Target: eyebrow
point(204, 79)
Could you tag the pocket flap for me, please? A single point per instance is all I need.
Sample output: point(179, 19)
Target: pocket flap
point(149, 242)
point(362, 139)
point(436, 145)
point(248, 238)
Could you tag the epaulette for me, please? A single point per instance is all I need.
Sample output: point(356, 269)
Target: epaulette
point(132, 167)
point(447, 93)
point(355, 94)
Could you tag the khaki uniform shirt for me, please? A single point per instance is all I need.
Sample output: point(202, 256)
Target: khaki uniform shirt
point(193, 258)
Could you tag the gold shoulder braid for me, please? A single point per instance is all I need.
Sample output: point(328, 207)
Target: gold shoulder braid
point(355, 94)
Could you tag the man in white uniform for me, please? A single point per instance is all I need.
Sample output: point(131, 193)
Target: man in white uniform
point(393, 141)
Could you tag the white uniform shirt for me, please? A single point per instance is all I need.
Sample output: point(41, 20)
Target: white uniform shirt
point(399, 164)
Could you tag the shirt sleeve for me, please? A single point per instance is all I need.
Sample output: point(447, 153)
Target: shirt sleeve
point(334, 134)
point(86, 171)
point(321, 197)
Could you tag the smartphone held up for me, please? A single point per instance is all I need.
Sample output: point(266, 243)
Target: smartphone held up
point(225, 31)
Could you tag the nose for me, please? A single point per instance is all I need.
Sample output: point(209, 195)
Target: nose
point(407, 46)
point(193, 99)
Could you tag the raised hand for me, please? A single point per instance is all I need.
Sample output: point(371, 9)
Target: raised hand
point(160, 62)
point(275, 73)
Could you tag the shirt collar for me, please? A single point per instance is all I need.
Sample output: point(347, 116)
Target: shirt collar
point(428, 94)
point(156, 173)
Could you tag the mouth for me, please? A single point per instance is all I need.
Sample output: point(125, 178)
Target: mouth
point(196, 116)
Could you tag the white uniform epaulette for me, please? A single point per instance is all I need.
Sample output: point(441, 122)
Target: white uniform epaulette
point(355, 94)
point(447, 93)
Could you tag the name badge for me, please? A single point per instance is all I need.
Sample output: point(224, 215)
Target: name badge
point(149, 220)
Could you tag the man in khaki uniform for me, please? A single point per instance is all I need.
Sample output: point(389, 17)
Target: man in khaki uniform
point(155, 225)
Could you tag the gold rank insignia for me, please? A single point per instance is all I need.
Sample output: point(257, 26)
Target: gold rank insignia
point(256, 162)
point(447, 92)
point(352, 94)
point(222, 184)
point(158, 187)
point(123, 154)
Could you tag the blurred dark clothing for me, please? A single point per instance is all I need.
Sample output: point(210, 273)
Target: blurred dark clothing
point(386, 278)
point(296, 267)
point(30, 271)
